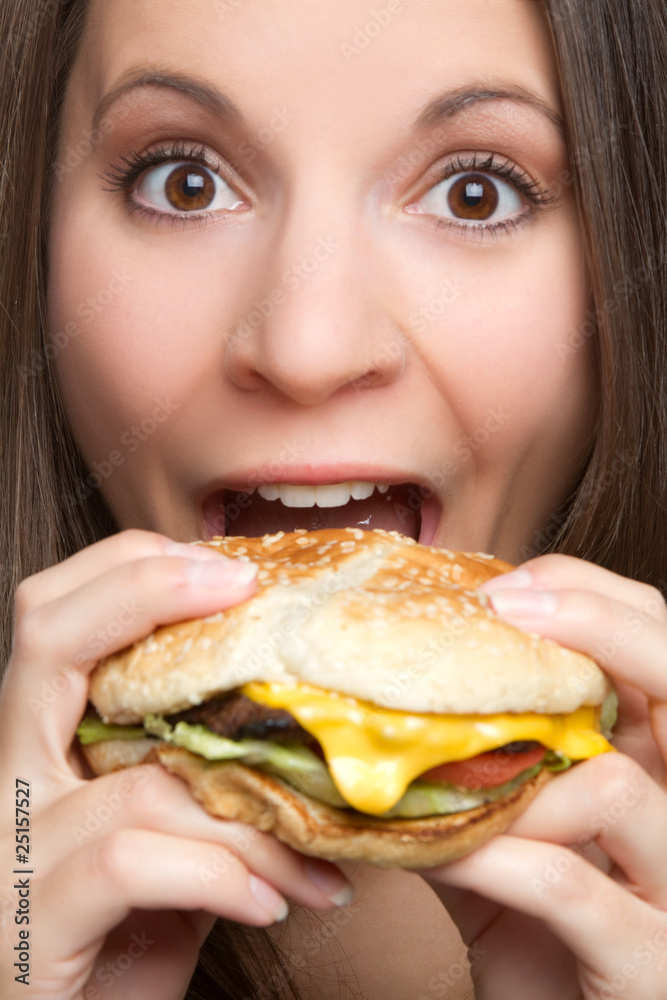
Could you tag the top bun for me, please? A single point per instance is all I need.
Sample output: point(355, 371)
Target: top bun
point(370, 614)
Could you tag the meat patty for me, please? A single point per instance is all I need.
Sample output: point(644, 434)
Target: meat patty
point(237, 718)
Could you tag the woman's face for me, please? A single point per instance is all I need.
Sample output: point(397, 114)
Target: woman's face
point(321, 241)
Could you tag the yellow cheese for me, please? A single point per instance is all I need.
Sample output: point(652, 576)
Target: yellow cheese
point(374, 753)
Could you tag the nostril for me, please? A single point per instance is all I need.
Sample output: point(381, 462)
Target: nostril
point(366, 381)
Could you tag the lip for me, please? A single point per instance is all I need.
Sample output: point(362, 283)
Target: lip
point(310, 475)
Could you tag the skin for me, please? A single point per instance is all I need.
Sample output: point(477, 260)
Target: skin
point(365, 342)
point(342, 352)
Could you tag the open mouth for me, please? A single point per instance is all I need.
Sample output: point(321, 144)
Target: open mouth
point(408, 508)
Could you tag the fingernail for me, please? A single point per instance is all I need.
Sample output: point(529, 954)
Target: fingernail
point(330, 881)
point(517, 578)
point(268, 898)
point(524, 603)
point(190, 551)
point(222, 572)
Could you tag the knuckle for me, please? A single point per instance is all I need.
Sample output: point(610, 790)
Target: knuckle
point(177, 578)
point(145, 793)
point(262, 847)
point(591, 610)
point(222, 854)
point(23, 599)
point(554, 561)
point(573, 886)
point(148, 575)
point(116, 857)
point(243, 836)
point(140, 574)
point(613, 775)
point(135, 543)
point(174, 578)
point(28, 636)
point(550, 567)
point(653, 601)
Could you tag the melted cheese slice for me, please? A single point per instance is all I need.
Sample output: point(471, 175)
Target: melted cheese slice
point(374, 753)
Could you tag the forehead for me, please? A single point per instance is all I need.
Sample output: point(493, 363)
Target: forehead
point(328, 61)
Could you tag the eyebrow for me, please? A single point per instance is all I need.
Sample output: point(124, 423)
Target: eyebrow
point(442, 108)
point(196, 89)
point(451, 103)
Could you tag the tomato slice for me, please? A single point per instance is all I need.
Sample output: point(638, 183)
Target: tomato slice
point(486, 770)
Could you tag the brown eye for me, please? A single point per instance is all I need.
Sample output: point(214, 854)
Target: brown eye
point(173, 188)
point(190, 188)
point(474, 197)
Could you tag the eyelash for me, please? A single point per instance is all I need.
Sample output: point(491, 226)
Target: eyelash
point(122, 176)
point(502, 167)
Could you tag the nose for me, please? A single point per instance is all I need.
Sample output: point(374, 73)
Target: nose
point(319, 324)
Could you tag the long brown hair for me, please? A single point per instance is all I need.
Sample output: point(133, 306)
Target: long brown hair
point(613, 76)
point(613, 68)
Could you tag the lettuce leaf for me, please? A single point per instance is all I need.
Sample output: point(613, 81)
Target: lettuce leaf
point(292, 761)
point(556, 761)
point(92, 730)
point(295, 764)
point(608, 714)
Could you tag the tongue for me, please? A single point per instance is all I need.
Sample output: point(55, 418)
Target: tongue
point(396, 510)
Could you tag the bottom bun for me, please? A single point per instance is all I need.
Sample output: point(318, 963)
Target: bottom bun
point(114, 755)
point(235, 792)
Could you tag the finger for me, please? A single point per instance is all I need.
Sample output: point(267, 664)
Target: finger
point(593, 915)
point(94, 890)
point(559, 572)
point(611, 800)
point(503, 969)
point(632, 606)
point(494, 936)
point(98, 558)
point(471, 913)
point(148, 798)
point(629, 644)
point(152, 953)
point(658, 716)
point(57, 644)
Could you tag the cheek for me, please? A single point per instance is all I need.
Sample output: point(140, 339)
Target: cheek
point(516, 337)
point(146, 326)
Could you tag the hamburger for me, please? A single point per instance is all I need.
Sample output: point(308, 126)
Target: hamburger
point(366, 703)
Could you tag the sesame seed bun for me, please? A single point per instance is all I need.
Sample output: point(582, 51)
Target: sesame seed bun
point(370, 614)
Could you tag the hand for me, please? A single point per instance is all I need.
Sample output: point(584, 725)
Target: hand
point(546, 913)
point(129, 871)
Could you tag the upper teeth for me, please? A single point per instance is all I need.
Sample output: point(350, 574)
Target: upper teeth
point(331, 495)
